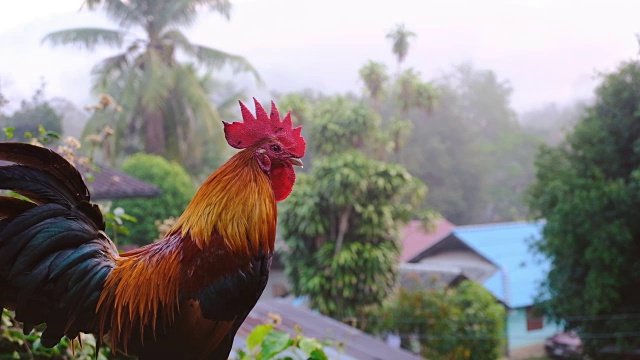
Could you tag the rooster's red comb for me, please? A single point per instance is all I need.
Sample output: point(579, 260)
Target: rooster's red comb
point(254, 129)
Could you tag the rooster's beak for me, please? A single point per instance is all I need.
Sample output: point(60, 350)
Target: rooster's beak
point(296, 162)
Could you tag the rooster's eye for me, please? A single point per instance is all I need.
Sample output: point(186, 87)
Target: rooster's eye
point(275, 148)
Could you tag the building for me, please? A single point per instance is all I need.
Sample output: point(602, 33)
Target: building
point(500, 257)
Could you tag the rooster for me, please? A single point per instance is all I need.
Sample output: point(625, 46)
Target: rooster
point(183, 297)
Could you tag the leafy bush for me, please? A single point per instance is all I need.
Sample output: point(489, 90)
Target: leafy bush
point(460, 323)
point(177, 190)
point(14, 344)
point(266, 343)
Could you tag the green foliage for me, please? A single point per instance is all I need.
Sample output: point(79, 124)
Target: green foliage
point(471, 150)
point(465, 322)
point(411, 92)
point(374, 76)
point(165, 104)
point(340, 124)
point(35, 120)
point(266, 343)
point(463, 140)
point(342, 221)
point(115, 221)
point(14, 344)
point(177, 190)
point(299, 106)
point(588, 190)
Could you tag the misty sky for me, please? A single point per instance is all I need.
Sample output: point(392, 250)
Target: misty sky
point(548, 50)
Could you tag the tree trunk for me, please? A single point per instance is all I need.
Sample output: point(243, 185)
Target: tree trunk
point(154, 131)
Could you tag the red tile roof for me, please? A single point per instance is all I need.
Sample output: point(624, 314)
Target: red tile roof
point(415, 239)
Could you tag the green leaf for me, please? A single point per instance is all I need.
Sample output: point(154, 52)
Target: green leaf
point(52, 134)
point(88, 38)
point(256, 337)
point(89, 176)
point(274, 343)
point(128, 218)
point(308, 345)
point(8, 131)
point(318, 354)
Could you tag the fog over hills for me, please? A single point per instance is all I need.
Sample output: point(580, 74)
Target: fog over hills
point(548, 51)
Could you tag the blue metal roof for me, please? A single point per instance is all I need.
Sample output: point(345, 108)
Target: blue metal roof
point(507, 245)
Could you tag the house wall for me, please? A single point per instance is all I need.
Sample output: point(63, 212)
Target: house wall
point(473, 266)
point(517, 334)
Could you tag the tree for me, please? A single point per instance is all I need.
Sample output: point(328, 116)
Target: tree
point(374, 76)
point(165, 103)
point(470, 148)
point(465, 322)
point(588, 190)
point(33, 116)
point(412, 92)
point(400, 36)
point(443, 153)
point(341, 225)
point(177, 190)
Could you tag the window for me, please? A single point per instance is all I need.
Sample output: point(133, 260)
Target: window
point(534, 319)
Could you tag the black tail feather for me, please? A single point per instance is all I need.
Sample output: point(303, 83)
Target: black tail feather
point(48, 161)
point(54, 255)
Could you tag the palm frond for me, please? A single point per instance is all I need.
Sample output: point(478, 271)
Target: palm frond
point(125, 13)
point(190, 117)
point(179, 40)
point(216, 59)
point(195, 95)
point(109, 70)
point(87, 38)
point(185, 11)
point(157, 79)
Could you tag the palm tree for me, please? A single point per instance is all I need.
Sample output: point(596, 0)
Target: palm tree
point(374, 75)
point(400, 38)
point(413, 92)
point(407, 84)
point(166, 105)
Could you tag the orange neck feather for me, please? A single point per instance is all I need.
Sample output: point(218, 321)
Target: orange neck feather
point(236, 202)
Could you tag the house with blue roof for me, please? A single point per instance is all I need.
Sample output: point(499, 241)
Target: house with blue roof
point(499, 257)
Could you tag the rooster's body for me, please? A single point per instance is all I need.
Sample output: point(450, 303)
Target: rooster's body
point(183, 297)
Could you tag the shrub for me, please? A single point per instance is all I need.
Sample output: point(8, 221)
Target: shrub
point(177, 190)
point(445, 323)
point(14, 344)
point(266, 343)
